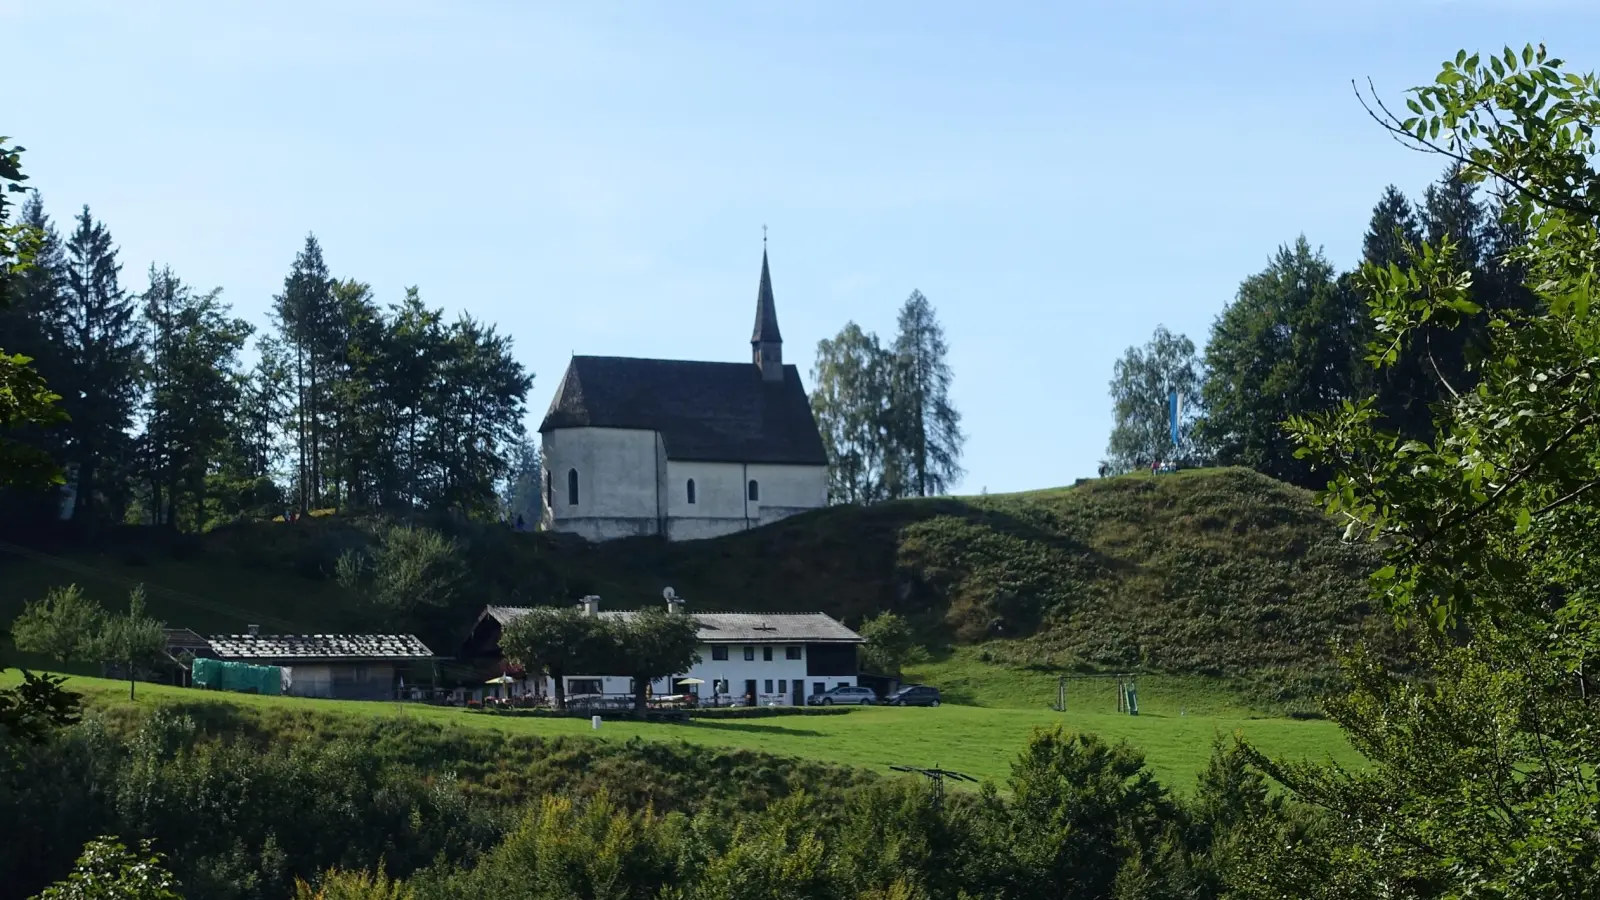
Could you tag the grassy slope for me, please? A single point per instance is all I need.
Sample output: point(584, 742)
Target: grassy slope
point(980, 741)
point(1207, 573)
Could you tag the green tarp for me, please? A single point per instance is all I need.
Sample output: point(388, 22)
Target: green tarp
point(236, 676)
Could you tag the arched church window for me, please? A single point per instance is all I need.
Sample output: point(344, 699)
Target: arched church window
point(691, 490)
point(549, 490)
point(755, 491)
point(572, 487)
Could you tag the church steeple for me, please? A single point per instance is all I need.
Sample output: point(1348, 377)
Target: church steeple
point(766, 344)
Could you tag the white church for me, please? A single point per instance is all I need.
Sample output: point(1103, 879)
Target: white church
point(682, 449)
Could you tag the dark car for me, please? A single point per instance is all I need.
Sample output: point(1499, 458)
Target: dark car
point(914, 695)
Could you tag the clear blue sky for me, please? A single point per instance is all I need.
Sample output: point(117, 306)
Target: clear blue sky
point(1058, 178)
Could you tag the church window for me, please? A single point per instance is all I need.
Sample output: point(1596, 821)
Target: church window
point(691, 490)
point(572, 487)
point(549, 490)
point(755, 491)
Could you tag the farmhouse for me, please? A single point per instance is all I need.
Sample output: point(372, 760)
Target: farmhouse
point(764, 658)
point(341, 666)
point(682, 449)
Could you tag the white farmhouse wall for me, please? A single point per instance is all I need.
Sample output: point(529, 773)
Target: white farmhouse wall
point(617, 481)
point(736, 670)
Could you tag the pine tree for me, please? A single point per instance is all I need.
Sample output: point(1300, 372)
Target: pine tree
point(194, 347)
point(303, 314)
point(414, 343)
point(477, 408)
point(102, 348)
point(521, 493)
point(1291, 343)
point(925, 426)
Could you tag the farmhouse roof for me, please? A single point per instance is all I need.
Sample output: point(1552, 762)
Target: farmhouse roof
point(704, 411)
point(320, 647)
point(179, 640)
point(738, 628)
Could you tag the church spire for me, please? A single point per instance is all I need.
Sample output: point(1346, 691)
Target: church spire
point(766, 344)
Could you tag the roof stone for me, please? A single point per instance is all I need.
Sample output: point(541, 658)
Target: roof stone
point(319, 646)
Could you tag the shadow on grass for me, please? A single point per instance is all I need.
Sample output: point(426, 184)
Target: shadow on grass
point(753, 728)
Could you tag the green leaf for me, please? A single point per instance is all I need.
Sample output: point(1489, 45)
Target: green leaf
point(1433, 129)
point(1461, 56)
point(1524, 520)
point(1414, 106)
point(1527, 55)
point(1511, 59)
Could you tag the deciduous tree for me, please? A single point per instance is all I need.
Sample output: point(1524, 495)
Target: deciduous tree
point(1480, 779)
point(851, 383)
point(64, 626)
point(132, 639)
point(556, 641)
point(1142, 384)
point(650, 644)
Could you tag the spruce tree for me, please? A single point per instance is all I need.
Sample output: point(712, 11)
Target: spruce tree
point(1291, 343)
point(926, 428)
point(303, 313)
point(194, 345)
point(103, 350)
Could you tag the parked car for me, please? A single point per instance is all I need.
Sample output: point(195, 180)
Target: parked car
point(843, 695)
point(914, 695)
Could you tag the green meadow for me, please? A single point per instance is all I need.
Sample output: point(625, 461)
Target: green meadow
point(980, 741)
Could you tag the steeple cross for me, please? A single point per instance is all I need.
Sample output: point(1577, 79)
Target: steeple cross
point(763, 234)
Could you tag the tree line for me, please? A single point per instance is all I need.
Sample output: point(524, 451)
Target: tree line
point(175, 412)
point(885, 412)
point(1297, 338)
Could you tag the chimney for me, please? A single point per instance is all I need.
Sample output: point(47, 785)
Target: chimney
point(591, 605)
point(254, 630)
point(674, 602)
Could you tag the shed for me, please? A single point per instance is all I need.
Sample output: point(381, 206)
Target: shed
point(340, 666)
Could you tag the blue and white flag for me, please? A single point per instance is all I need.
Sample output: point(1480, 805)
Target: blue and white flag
point(1174, 407)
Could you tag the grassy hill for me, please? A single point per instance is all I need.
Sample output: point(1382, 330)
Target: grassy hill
point(1211, 573)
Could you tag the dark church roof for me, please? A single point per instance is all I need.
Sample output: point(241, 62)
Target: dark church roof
point(704, 411)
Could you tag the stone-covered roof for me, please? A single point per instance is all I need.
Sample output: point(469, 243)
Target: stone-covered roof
point(704, 411)
point(766, 309)
point(738, 628)
point(320, 647)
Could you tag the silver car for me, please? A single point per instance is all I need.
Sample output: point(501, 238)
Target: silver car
point(843, 696)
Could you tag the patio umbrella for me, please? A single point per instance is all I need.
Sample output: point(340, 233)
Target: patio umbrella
point(690, 681)
point(503, 679)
